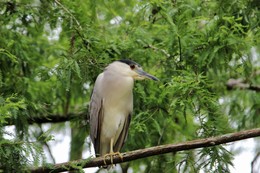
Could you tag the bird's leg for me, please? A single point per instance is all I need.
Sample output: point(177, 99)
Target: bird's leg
point(112, 153)
point(111, 150)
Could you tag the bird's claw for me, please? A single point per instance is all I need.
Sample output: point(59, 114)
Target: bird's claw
point(119, 155)
point(111, 155)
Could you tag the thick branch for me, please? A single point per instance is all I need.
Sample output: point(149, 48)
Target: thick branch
point(152, 151)
point(240, 84)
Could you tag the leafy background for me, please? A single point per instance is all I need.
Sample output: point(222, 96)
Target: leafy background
point(52, 51)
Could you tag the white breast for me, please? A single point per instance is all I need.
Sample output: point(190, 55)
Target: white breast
point(118, 104)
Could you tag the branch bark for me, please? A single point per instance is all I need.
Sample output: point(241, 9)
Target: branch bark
point(53, 118)
point(152, 151)
point(240, 84)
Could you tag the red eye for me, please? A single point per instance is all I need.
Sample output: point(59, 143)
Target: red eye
point(132, 66)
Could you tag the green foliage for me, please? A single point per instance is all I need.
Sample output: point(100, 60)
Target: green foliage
point(52, 51)
point(216, 159)
point(18, 155)
point(10, 107)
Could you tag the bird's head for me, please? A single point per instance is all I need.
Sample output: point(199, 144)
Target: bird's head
point(131, 69)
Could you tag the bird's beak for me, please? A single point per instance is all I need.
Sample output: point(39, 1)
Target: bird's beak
point(146, 75)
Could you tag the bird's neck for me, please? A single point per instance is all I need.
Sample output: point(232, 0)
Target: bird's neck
point(120, 85)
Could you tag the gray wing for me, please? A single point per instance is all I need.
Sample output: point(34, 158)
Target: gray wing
point(123, 135)
point(96, 116)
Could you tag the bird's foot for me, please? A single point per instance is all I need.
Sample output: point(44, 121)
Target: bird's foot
point(119, 155)
point(111, 155)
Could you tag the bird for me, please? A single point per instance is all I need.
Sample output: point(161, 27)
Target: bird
point(111, 106)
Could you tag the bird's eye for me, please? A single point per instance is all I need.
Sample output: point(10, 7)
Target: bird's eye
point(132, 66)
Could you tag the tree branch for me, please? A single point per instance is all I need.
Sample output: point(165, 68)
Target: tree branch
point(152, 151)
point(53, 118)
point(240, 84)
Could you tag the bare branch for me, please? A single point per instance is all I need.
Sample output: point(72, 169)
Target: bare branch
point(152, 151)
point(53, 118)
point(240, 84)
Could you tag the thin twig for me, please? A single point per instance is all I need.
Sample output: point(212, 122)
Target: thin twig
point(64, 8)
point(47, 145)
point(180, 51)
point(254, 162)
point(158, 49)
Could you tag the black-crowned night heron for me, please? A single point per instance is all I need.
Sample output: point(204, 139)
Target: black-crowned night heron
point(111, 106)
